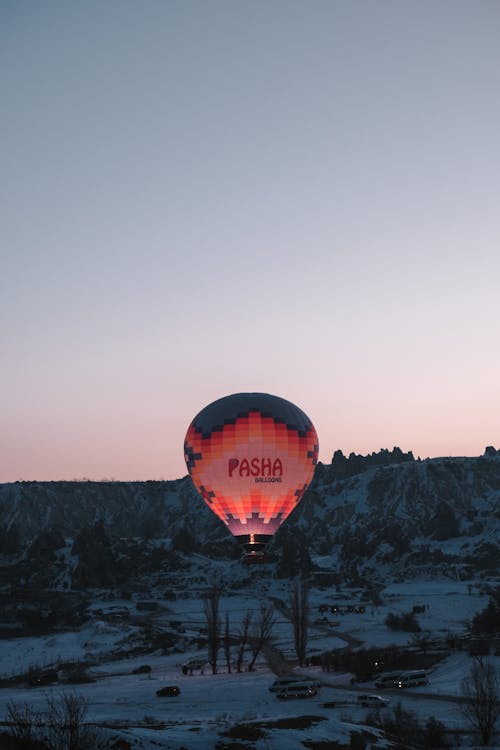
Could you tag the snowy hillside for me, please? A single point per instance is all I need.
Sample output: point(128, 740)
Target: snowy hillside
point(373, 517)
point(103, 588)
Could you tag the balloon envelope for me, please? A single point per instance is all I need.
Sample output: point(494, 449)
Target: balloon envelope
point(251, 457)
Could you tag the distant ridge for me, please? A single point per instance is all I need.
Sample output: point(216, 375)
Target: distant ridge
point(377, 516)
point(342, 467)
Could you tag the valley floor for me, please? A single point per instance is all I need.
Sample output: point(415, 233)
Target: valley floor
point(124, 703)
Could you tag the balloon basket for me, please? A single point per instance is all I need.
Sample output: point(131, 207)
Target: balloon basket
point(254, 546)
point(256, 558)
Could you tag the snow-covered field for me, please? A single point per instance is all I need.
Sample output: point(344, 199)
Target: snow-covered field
point(209, 705)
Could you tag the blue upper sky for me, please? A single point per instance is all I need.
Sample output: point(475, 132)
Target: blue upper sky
point(201, 198)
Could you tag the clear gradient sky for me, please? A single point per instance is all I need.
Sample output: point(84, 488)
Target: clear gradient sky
point(300, 197)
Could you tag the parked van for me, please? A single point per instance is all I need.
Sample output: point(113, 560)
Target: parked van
point(372, 701)
point(412, 679)
point(388, 679)
point(282, 682)
point(297, 690)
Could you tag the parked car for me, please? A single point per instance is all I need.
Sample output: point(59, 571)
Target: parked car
point(412, 679)
point(168, 691)
point(297, 690)
point(44, 677)
point(372, 701)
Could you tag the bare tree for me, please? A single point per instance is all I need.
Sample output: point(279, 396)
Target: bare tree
point(263, 633)
point(61, 727)
point(244, 636)
point(481, 693)
point(211, 607)
point(65, 722)
point(25, 723)
point(227, 644)
point(300, 618)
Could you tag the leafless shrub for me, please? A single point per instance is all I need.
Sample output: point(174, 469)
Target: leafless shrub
point(481, 693)
point(60, 727)
point(211, 608)
point(65, 722)
point(25, 723)
point(299, 607)
point(262, 634)
point(227, 644)
point(244, 638)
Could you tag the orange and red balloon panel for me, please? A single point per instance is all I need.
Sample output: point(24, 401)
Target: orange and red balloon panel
point(251, 457)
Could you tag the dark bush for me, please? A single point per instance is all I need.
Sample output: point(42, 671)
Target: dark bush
point(405, 728)
point(244, 732)
point(488, 620)
point(435, 734)
point(406, 621)
point(37, 678)
point(294, 722)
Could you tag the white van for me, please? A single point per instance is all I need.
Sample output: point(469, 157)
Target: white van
point(297, 690)
point(372, 701)
point(412, 679)
point(388, 679)
point(283, 682)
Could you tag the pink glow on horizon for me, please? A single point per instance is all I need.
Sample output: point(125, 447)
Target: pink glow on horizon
point(143, 450)
point(192, 209)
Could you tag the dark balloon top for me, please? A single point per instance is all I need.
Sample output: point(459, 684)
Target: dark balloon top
point(229, 408)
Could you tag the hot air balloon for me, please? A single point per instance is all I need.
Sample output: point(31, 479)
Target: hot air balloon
point(251, 457)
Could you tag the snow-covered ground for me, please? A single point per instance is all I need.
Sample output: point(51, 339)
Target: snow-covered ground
point(209, 705)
